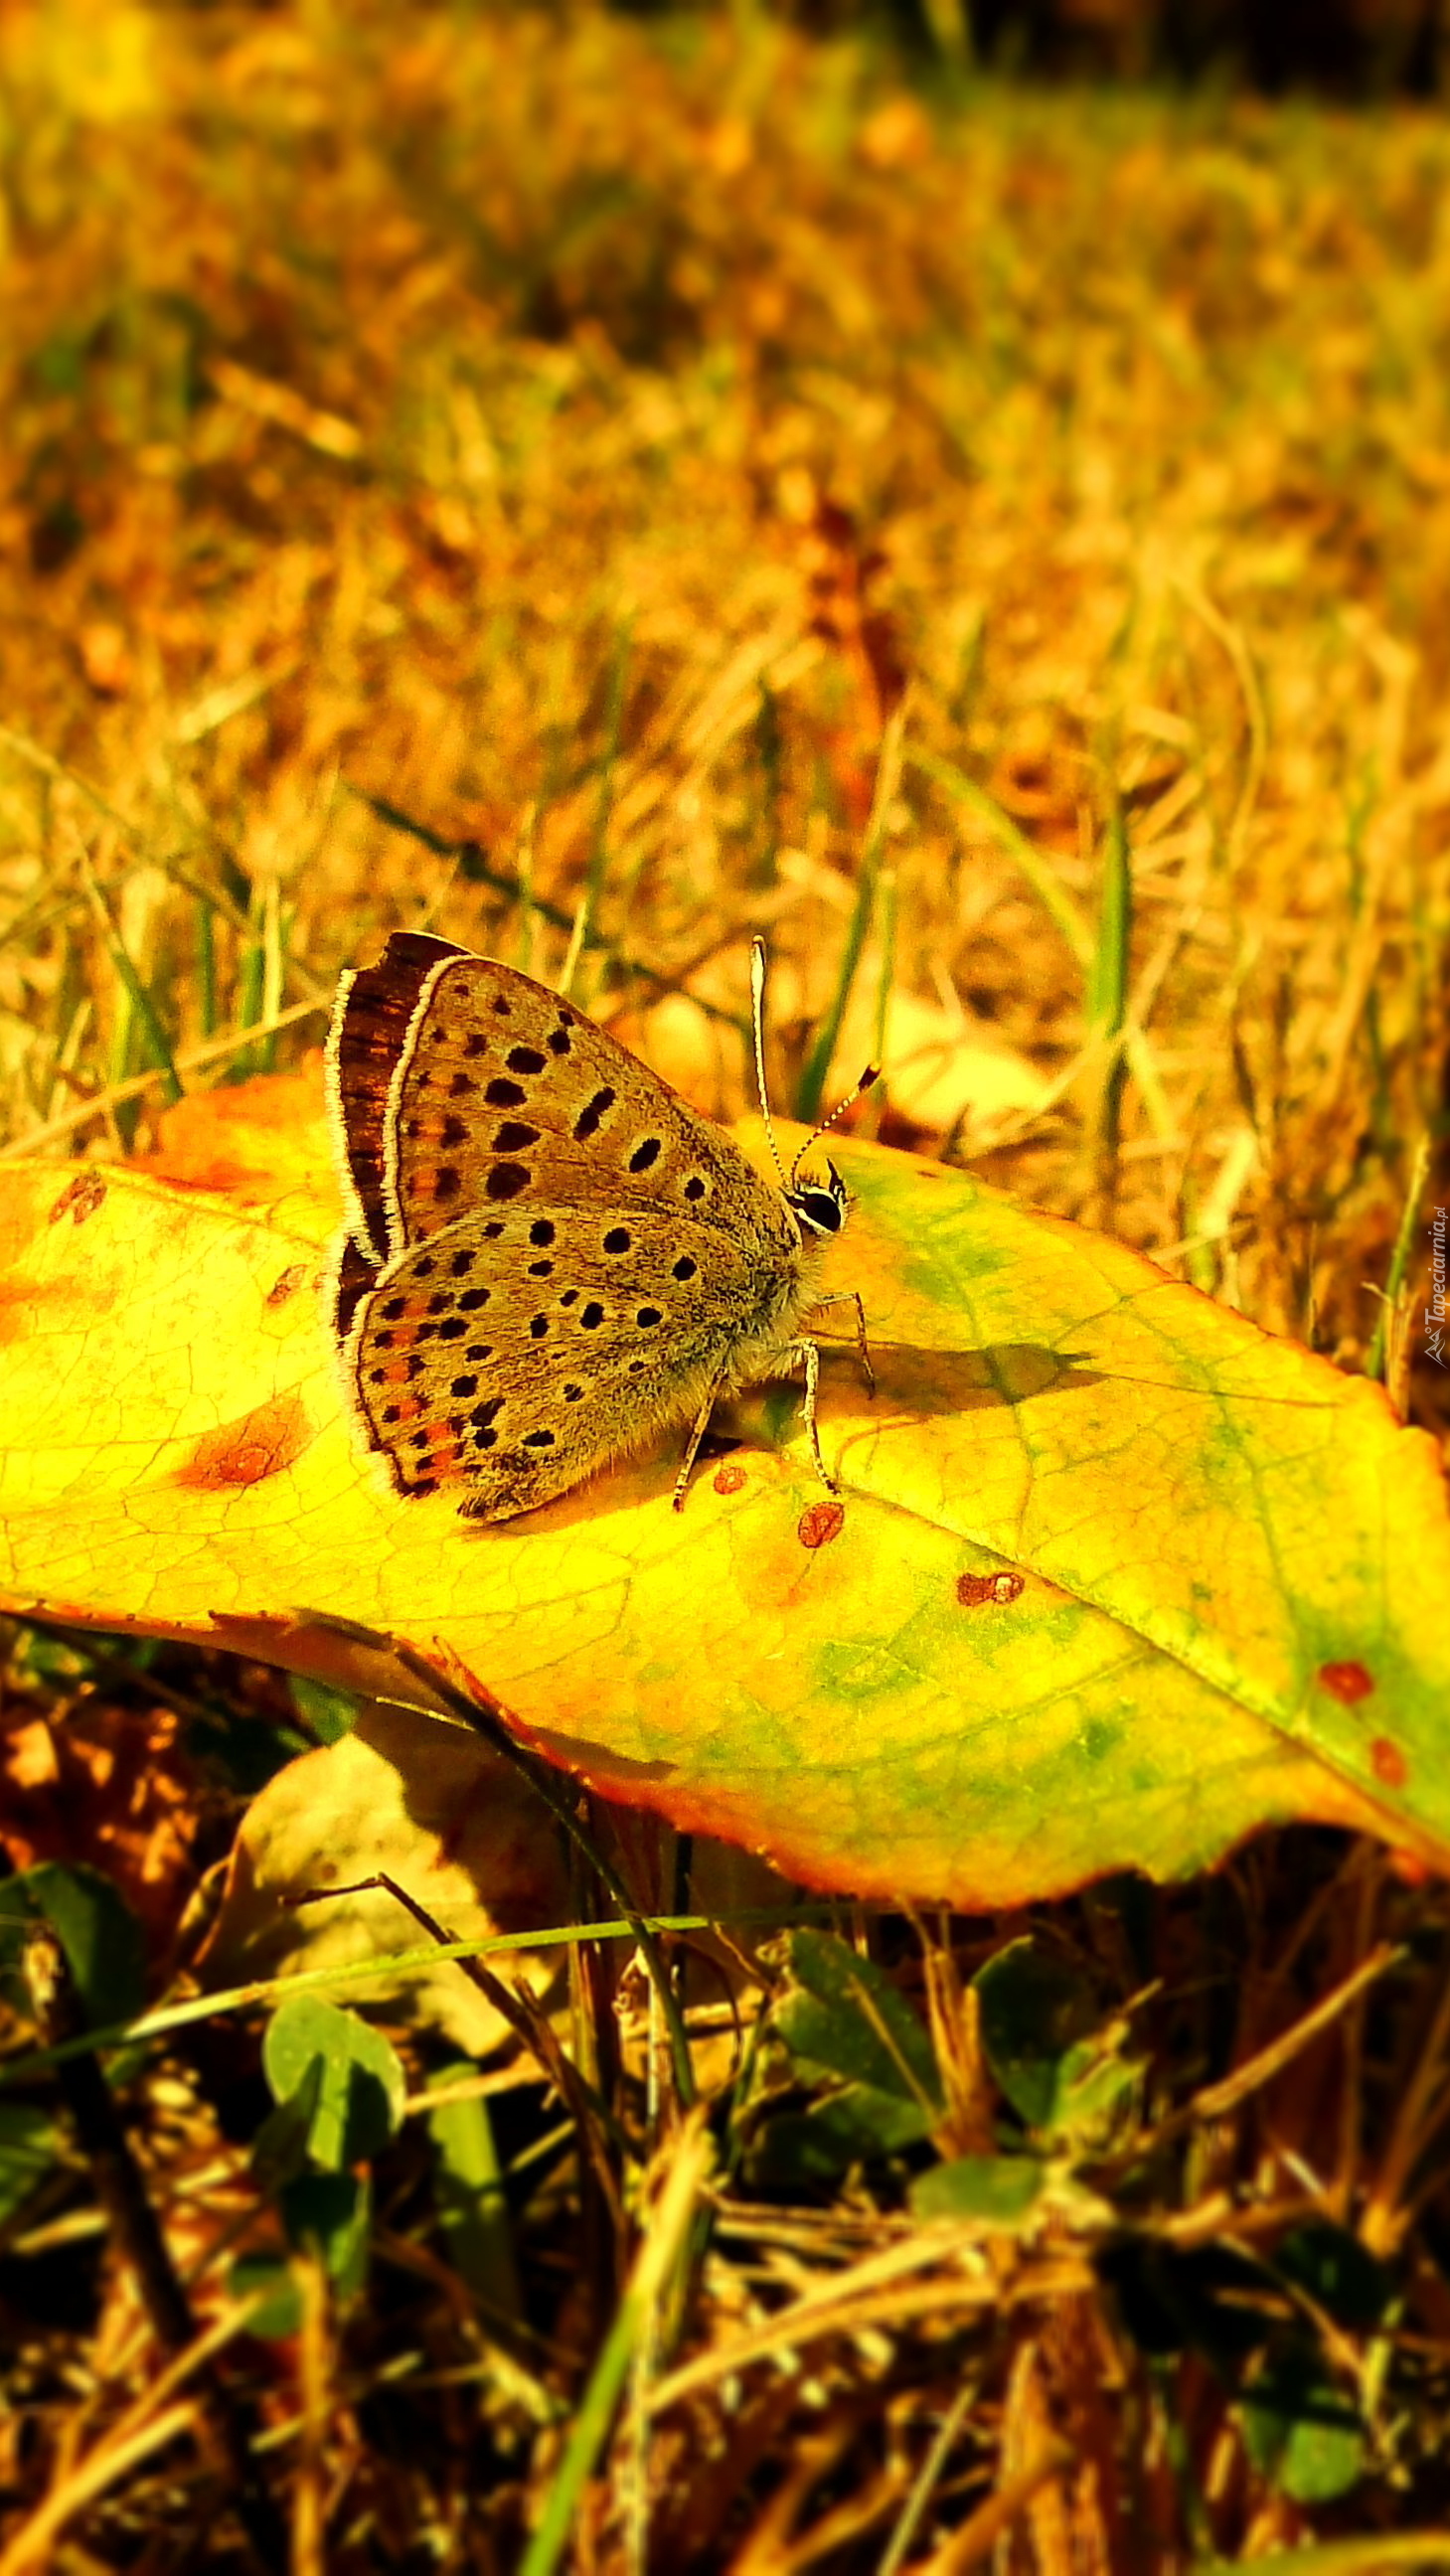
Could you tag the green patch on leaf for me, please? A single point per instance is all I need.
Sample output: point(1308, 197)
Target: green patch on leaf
point(845, 2018)
point(96, 1930)
point(844, 2027)
point(991, 2191)
point(27, 2153)
point(280, 2313)
point(469, 2195)
point(329, 2215)
point(1063, 2075)
point(1302, 2430)
point(800, 2150)
point(327, 1714)
point(357, 2100)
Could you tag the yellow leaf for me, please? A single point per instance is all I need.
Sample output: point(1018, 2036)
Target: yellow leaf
point(1114, 1577)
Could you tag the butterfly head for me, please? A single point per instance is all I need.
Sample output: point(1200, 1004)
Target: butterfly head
point(819, 1207)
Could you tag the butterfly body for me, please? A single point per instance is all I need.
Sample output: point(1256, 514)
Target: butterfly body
point(551, 1257)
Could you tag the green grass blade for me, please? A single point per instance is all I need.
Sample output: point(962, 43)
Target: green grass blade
point(1053, 896)
point(811, 1088)
point(137, 996)
point(666, 2233)
point(1377, 1362)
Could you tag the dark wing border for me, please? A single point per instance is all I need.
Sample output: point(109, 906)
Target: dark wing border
point(374, 1012)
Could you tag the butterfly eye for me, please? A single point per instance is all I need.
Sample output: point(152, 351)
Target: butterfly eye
point(821, 1210)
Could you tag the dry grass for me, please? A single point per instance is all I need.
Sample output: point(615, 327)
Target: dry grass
point(574, 436)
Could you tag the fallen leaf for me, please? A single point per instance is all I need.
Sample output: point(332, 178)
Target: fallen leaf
point(939, 1071)
point(451, 1822)
point(1116, 1577)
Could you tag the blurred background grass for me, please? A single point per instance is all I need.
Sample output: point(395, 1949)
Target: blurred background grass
point(576, 430)
point(603, 483)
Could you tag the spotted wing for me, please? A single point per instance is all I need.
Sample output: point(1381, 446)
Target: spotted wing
point(506, 1097)
point(518, 1350)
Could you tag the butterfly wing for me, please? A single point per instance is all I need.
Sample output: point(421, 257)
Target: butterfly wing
point(370, 1024)
point(518, 1350)
point(373, 1014)
point(505, 1097)
point(551, 1255)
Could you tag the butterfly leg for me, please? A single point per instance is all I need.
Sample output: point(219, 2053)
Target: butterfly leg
point(807, 1356)
point(852, 1297)
point(698, 1429)
point(810, 1360)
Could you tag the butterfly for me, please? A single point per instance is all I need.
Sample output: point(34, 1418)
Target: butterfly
point(550, 1257)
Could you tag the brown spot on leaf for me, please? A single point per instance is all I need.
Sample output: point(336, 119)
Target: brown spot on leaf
point(249, 1450)
point(287, 1285)
point(1002, 1587)
point(1346, 1682)
point(1388, 1763)
point(80, 1198)
point(819, 1523)
point(729, 1478)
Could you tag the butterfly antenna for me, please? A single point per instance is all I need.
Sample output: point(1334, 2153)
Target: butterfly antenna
point(757, 1013)
point(872, 1074)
